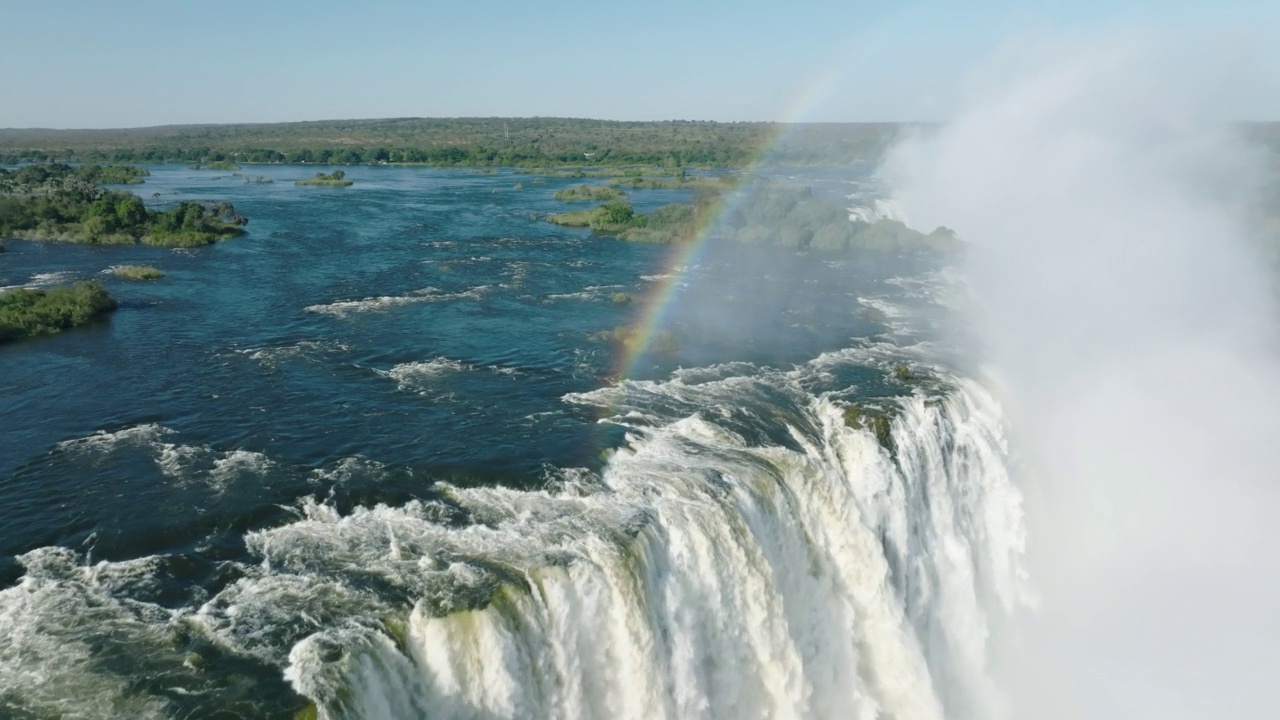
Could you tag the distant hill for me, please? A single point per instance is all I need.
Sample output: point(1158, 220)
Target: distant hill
point(463, 141)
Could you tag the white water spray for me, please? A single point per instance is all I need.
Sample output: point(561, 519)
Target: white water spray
point(703, 576)
point(1122, 303)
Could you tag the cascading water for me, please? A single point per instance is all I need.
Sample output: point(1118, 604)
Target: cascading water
point(702, 576)
point(747, 554)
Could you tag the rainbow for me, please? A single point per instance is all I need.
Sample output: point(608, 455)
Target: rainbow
point(653, 312)
point(657, 306)
point(662, 298)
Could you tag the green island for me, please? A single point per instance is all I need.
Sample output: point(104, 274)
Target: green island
point(583, 193)
point(56, 202)
point(214, 165)
point(337, 178)
point(137, 272)
point(785, 217)
point(111, 174)
point(679, 182)
point(26, 312)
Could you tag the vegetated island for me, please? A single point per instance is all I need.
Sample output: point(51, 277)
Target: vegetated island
point(111, 174)
point(137, 272)
point(57, 202)
point(583, 193)
point(28, 312)
point(337, 178)
point(214, 165)
point(768, 215)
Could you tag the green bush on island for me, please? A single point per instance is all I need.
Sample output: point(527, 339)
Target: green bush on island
point(214, 165)
point(761, 215)
point(582, 193)
point(111, 174)
point(679, 182)
point(137, 272)
point(621, 298)
point(337, 178)
point(56, 202)
point(26, 312)
point(575, 218)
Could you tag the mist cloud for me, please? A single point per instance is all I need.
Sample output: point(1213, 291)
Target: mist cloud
point(1124, 311)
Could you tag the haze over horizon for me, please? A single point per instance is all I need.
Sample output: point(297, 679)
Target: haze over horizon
point(86, 65)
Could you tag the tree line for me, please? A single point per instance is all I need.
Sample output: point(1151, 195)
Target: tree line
point(514, 142)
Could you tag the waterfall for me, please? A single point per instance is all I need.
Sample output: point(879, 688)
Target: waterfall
point(702, 575)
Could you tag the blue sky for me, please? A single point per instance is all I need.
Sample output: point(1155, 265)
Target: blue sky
point(102, 64)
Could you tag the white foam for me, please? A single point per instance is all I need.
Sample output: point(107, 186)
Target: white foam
point(61, 277)
point(373, 304)
point(701, 575)
point(707, 572)
point(423, 376)
point(103, 441)
point(273, 356)
point(370, 304)
point(187, 464)
point(60, 621)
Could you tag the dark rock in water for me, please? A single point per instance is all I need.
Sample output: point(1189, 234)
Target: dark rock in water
point(862, 417)
point(875, 315)
point(633, 338)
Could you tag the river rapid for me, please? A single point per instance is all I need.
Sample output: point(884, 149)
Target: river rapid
point(379, 454)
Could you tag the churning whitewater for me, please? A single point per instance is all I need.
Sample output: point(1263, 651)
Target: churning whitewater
point(780, 529)
point(704, 575)
point(746, 555)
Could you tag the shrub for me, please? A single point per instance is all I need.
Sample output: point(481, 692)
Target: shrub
point(29, 312)
point(136, 272)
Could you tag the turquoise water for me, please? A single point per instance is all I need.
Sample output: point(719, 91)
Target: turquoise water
point(416, 336)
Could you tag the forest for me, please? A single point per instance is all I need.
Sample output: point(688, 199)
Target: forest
point(510, 142)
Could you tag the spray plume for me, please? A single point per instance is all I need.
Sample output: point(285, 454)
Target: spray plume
point(1122, 308)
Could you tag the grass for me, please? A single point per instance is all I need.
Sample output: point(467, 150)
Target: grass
point(136, 272)
point(576, 218)
point(28, 313)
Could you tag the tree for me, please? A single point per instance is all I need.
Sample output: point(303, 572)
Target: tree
point(130, 212)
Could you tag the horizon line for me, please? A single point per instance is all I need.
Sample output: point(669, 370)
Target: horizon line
point(471, 117)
